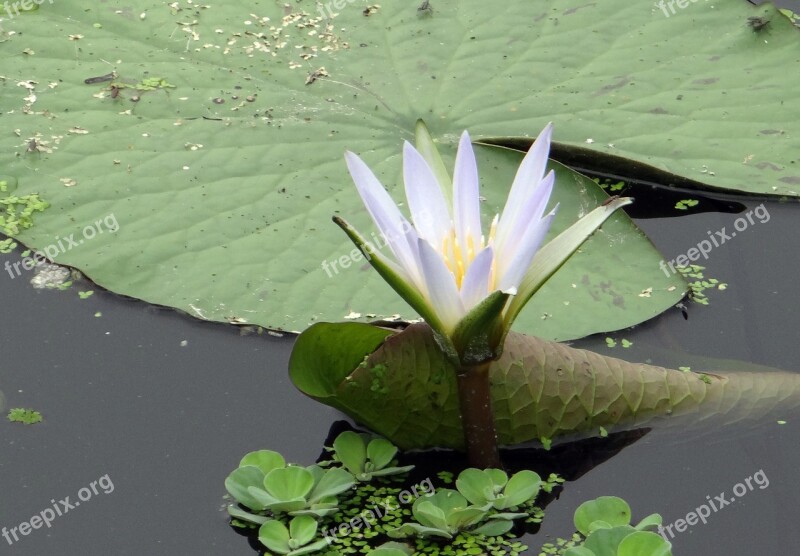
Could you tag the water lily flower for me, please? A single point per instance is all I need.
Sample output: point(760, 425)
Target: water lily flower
point(459, 279)
point(468, 286)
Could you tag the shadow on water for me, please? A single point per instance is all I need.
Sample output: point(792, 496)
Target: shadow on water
point(165, 406)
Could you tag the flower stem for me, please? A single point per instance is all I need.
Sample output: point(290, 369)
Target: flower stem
point(474, 395)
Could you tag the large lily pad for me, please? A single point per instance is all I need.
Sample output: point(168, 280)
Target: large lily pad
point(223, 185)
point(404, 388)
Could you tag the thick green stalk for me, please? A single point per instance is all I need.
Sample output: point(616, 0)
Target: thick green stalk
point(477, 418)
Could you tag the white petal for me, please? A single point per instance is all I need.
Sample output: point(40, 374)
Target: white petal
point(402, 240)
point(466, 209)
point(529, 214)
point(475, 286)
point(529, 174)
point(510, 275)
point(425, 197)
point(441, 286)
point(397, 231)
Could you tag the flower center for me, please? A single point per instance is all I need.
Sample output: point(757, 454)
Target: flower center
point(458, 259)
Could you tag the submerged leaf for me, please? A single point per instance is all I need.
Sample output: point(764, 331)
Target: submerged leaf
point(540, 389)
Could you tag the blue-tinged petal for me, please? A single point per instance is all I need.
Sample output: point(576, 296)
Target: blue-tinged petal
point(398, 232)
point(440, 284)
point(529, 215)
point(511, 271)
point(425, 197)
point(529, 174)
point(394, 276)
point(402, 242)
point(475, 286)
point(466, 191)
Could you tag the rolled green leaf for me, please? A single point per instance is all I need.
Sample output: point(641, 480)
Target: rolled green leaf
point(404, 387)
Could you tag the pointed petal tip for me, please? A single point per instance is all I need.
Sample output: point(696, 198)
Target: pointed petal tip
point(465, 141)
point(546, 133)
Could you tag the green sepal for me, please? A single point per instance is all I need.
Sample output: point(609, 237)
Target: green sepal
point(427, 148)
point(555, 253)
point(477, 337)
point(385, 268)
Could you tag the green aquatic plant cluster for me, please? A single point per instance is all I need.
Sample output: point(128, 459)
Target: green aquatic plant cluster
point(604, 529)
point(16, 213)
point(359, 499)
point(264, 482)
point(698, 283)
point(24, 416)
point(366, 456)
point(685, 204)
point(478, 505)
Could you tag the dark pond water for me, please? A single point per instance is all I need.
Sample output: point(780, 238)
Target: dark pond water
point(156, 408)
point(165, 422)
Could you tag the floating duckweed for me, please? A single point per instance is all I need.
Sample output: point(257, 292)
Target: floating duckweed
point(24, 416)
point(446, 477)
point(7, 245)
point(609, 185)
point(16, 213)
point(686, 203)
point(552, 482)
point(700, 284)
point(561, 545)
